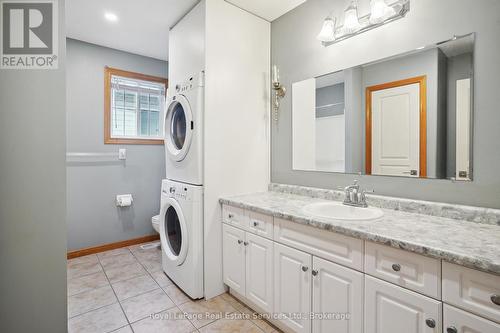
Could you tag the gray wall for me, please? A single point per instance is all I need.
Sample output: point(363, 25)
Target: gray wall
point(300, 56)
point(32, 198)
point(93, 218)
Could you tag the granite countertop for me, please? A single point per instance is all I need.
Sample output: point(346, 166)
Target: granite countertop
point(474, 245)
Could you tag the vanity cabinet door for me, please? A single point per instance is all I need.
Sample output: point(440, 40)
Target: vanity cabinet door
point(337, 290)
point(392, 309)
point(233, 258)
point(458, 321)
point(292, 288)
point(259, 271)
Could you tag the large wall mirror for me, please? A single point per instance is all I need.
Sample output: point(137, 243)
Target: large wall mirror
point(409, 116)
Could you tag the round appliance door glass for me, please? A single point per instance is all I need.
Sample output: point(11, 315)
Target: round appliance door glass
point(179, 131)
point(173, 232)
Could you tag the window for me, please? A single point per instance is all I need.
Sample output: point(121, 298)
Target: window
point(134, 107)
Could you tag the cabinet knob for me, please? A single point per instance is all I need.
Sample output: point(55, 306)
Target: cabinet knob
point(305, 268)
point(314, 272)
point(245, 243)
point(240, 241)
point(230, 216)
point(396, 267)
point(451, 329)
point(495, 299)
point(430, 322)
point(255, 223)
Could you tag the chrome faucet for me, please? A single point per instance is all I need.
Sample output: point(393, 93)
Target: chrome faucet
point(355, 196)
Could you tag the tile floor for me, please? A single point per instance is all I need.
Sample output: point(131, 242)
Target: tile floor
point(125, 290)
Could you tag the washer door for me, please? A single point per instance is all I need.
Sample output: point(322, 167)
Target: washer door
point(178, 130)
point(173, 232)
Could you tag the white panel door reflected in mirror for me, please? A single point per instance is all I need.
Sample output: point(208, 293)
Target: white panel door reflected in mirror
point(409, 115)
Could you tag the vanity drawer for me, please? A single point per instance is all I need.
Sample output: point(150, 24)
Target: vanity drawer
point(234, 216)
point(328, 245)
point(260, 224)
point(458, 321)
point(472, 290)
point(406, 269)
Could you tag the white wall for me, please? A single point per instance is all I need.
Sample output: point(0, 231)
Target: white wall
point(236, 119)
point(304, 124)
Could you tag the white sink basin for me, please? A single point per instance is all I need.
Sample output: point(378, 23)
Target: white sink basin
point(339, 211)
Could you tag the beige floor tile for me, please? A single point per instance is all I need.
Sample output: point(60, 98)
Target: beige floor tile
point(233, 301)
point(202, 312)
point(112, 253)
point(126, 329)
point(231, 326)
point(86, 283)
point(176, 295)
point(78, 269)
point(161, 278)
point(152, 265)
point(170, 321)
point(105, 319)
point(133, 287)
point(263, 324)
point(142, 306)
point(124, 272)
point(90, 300)
point(118, 260)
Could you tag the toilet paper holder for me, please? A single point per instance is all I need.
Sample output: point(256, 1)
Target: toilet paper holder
point(124, 200)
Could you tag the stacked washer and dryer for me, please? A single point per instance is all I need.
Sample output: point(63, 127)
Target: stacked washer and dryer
point(181, 210)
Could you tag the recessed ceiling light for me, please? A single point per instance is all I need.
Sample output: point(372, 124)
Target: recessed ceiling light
point(111, 17)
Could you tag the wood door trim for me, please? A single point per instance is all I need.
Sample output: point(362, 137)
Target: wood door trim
point(422, 81)
point(108, 73)
point(111, 246)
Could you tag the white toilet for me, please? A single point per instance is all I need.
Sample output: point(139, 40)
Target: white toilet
point(155, 221)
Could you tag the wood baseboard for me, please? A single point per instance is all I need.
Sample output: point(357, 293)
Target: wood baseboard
point(111, 246)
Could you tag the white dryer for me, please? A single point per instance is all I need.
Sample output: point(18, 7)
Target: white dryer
point(181, 235)
point(183, 131)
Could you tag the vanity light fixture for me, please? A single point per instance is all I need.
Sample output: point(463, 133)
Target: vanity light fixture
point(279, 92)
point(351, 21)
point(381, 13)
point(327, 33)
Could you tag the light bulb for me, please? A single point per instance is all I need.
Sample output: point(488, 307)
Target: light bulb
point(327, 33)
point(380, 11)
point(351, 21)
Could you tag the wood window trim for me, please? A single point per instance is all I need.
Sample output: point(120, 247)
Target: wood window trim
point(422, 81)
point(108, 73)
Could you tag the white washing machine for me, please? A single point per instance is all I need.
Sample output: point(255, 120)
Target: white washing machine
point(181, 235)
point(183, 131)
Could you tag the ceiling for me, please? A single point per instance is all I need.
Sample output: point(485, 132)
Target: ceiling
point(269, 10)
point(142, 26)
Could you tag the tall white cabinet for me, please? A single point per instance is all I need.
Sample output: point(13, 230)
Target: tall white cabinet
point(232, 46)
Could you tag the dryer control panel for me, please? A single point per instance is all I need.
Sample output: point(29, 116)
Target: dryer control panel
point(194, 81)
point(182, 191)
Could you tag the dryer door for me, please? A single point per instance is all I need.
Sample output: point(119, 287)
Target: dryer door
point(178, 128)
point(173, 232)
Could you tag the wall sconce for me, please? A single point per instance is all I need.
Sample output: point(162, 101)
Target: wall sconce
point(279, 92)
point(380, 13)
